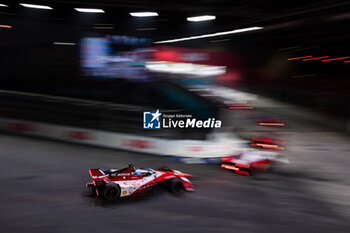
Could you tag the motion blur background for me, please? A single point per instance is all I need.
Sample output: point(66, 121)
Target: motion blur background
point(88, 77)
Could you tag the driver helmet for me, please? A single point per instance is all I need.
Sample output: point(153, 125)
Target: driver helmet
point(137, 173)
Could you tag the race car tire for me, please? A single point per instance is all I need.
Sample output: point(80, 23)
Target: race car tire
point(176, 186)
point(111, 192)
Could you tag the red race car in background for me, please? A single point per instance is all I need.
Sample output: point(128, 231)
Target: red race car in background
point(250, 161)
point(116, 183)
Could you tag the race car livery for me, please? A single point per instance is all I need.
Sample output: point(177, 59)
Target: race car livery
point(115, 183)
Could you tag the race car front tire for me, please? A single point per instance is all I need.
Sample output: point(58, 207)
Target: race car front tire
point(176, 186)
point(111, 192)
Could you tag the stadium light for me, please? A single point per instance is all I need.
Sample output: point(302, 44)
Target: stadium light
point(209, 35)
point(143, 14)
point(201, 18)
point(36, 6)
point(89, 10)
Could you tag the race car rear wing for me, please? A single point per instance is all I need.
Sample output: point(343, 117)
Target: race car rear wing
point(96, 173)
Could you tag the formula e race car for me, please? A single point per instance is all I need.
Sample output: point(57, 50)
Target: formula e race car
point(247, 162)
point(116, 183)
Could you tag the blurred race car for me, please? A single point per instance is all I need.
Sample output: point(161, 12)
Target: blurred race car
point(249, 161)
point(116, 183)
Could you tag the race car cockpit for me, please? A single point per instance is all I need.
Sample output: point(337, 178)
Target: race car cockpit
point(123, 171)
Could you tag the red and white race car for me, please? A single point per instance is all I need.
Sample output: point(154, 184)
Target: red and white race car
point(250, 161)
point(115, 183)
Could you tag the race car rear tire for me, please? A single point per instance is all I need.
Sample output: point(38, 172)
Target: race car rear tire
point(176, 186)
point(111, 192)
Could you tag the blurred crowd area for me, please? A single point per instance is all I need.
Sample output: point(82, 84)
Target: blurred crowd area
point(114, 58)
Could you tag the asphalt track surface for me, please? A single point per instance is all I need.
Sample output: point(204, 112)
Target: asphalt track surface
point(43, 189)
